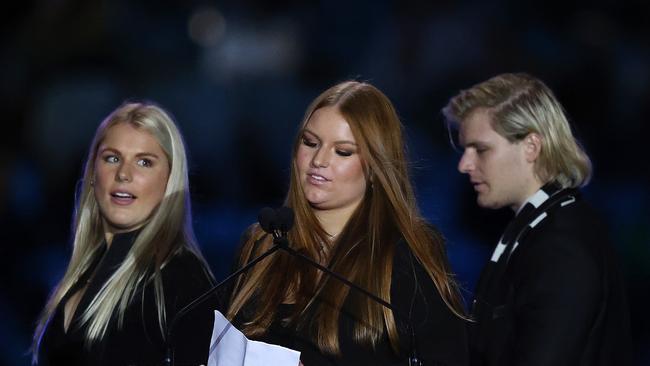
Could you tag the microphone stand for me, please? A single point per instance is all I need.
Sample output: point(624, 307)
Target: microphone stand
point(169, 348)
point(282, 242)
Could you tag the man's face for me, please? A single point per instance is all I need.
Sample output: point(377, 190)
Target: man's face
point(501, 172)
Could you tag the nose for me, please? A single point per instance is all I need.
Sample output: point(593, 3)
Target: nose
point(320, 159)
point(123, 173)
point(466, 163)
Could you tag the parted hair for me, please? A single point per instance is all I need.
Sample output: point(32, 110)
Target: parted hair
point(520, 104)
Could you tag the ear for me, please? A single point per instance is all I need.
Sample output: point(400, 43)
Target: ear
point(370, 177)
point(532, 146)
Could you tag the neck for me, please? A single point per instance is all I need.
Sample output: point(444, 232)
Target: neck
point(333, 221)
point(528, 183)
point(110, 231)
point(532, 188)
point(109, 237)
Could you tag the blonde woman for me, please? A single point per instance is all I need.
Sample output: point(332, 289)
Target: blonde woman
point(135, 262)
point(356, 213)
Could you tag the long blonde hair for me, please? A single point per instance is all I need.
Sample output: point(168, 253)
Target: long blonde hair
point(167, 231)
point(520, 104)
point(363, 251)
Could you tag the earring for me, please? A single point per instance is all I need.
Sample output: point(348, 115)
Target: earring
point(92, 182)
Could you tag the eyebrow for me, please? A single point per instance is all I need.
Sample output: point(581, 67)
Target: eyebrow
point(475, 144)
point(335, 142)
point(139, 155)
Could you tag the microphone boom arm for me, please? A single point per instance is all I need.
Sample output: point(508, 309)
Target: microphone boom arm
point(282, 243)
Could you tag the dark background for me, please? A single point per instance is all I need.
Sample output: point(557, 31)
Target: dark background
point(238, 75)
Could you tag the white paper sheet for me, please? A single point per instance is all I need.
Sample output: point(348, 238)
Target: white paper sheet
point(230, 347)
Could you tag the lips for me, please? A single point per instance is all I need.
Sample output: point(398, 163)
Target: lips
point(478, 186)
point(316, 179)
point(122, 197)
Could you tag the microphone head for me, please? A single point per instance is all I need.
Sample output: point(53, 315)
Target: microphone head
point(268, 219)
point(285, 218)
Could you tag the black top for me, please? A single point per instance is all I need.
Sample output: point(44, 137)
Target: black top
point(440, 335)
point(139, 341)
point(559, 299)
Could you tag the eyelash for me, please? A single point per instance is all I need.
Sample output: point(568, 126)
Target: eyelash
point(112, 159)
point(343, 153)
point(308, 142)
point(312, 144)
point(145, 163)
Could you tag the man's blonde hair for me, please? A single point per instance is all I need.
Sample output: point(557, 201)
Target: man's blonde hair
point(520, 104)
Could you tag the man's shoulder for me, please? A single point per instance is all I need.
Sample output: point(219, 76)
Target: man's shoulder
point(576, 231)
point(577, 221)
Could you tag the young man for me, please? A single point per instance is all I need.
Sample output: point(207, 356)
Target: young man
point(551, 293)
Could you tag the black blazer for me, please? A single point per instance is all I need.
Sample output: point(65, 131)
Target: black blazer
point(140, 340)
point(558, 300)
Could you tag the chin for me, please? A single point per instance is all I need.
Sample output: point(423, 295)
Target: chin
point(315, 200)
point(487, 203)
point(317, 205)
point(124, 225)
point(122, 228)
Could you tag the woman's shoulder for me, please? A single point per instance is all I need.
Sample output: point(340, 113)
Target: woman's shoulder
point(249, 241)
point(410, 280)
point(185, 277)
point(253, 231)
point(186, 264)
point(404, 258)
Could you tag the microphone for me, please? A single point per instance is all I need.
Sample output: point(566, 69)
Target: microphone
point(268, 219)
point(286, 218)
point(279, 222)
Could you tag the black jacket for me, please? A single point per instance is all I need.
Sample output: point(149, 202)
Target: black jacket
point(139, 341)
point(558, 300)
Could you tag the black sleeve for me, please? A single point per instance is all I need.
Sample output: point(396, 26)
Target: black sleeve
point(226, 290)
point(557, 297)
point(184, 279)
point(440, 335)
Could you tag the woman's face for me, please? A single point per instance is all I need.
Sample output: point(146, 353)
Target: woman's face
point(131, 172)
point(328, 161)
